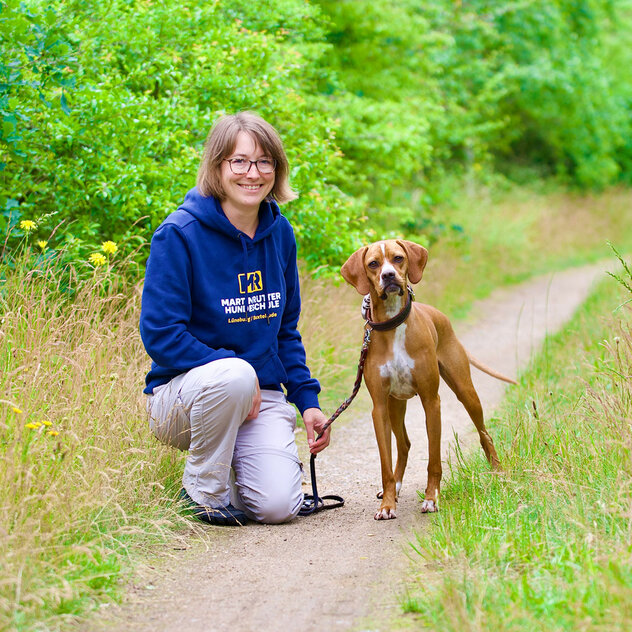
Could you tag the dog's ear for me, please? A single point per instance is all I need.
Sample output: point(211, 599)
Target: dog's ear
point(417, 259)
point(354, 273)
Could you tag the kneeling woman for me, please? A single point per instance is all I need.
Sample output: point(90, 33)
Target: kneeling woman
point(219, 318)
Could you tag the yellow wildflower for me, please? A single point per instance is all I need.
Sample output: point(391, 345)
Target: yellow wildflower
point(97, 259)
point(45, 422)
point(53, 433)
point(42, 244)
point(27, 225)
point(34, 425)
point(17, 411)
point(109, 247)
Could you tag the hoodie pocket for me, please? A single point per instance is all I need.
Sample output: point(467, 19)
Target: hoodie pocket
point(270, 370)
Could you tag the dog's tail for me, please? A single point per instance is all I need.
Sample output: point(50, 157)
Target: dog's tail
point(485, 369)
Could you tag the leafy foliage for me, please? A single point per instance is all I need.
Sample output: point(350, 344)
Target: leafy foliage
point(116, 154)
point(438, 87)
point(105, 107)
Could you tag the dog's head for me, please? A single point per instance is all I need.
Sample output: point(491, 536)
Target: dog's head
point(385, 267)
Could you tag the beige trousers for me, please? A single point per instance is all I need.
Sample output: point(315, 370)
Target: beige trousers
point(252, 464)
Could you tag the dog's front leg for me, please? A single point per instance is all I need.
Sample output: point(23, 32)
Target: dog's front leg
point(432, 407)
point(382, 426)
point(397, 414)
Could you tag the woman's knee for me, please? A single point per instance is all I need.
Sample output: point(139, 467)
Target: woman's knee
point(270, 489)
point(239, 379)
point(275, 509)
point(231, 378)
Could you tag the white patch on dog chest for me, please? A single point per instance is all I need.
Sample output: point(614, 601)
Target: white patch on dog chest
point(399, 368)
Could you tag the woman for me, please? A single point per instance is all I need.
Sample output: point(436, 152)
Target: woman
point(219, 319)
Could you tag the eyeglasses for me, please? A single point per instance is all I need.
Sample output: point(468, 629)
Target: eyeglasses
point(241, 166)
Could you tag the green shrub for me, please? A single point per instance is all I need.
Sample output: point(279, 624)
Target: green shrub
point(105, 108)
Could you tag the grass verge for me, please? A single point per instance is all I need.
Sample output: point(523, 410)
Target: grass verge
point(83, 484)
point(504, 237)
point(546, 544)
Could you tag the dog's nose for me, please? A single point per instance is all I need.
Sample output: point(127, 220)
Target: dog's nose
point(388, 275)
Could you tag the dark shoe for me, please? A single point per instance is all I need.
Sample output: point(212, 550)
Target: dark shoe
point(227, 516)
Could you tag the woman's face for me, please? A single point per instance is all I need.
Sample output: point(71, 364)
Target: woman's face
point(244, 192)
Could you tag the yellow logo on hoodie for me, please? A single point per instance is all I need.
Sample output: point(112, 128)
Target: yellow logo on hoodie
point(250, 282)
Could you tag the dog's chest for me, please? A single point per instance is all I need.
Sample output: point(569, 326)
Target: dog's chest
point(398, 368)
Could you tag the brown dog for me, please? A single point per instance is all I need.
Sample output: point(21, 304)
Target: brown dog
point(408, 360)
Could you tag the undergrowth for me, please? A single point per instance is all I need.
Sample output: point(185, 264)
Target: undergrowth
point(82, 483)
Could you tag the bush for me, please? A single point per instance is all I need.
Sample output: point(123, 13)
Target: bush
point(105, 118)
point(105, 108)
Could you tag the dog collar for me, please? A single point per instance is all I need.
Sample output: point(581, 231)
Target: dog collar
point(398, 319)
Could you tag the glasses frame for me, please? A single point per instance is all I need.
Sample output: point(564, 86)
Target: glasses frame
point(252, 162)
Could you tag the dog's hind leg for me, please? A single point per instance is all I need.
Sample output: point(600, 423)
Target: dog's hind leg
point(454, 368)
point(432, 408)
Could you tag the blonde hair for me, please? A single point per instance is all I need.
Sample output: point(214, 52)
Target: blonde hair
point(220, 143)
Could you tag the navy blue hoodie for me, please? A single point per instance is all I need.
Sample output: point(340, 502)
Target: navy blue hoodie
point(213, 292)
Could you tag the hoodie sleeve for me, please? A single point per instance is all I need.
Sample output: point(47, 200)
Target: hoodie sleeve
point(167, 305)
point(302, 388)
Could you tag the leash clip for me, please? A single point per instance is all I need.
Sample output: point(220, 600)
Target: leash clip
point(367, 336)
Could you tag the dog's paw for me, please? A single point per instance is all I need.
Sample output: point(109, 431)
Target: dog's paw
point(385, 514)
point(429, 506)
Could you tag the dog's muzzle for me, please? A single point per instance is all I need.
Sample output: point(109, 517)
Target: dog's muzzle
point(392, 288)
point(390, 285)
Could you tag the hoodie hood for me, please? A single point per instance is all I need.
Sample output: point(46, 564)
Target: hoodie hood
point(209, 211)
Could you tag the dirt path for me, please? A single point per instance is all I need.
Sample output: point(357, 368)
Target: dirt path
point(339, 570)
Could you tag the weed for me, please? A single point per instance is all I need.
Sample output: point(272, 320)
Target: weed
point(82, 480)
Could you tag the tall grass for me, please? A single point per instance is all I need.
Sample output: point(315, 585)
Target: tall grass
point(501, 237)
point(498, 237)
point(546, 544)
point(81, 479)
point(332, 328)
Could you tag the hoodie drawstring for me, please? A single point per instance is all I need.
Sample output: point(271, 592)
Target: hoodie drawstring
point(244, 247)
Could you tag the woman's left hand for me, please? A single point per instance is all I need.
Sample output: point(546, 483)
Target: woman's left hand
point(315, 420)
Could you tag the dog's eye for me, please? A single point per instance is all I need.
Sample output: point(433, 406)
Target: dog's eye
point(373, 264)
point(398, 259)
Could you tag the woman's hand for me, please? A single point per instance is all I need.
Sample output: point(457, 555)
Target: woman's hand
point(256, 404)
point(315, 420)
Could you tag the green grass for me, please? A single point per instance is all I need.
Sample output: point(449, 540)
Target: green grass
point(547, 543)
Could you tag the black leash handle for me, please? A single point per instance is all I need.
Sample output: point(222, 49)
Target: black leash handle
point(313, 502)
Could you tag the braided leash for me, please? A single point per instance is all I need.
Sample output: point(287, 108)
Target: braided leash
point(313, 502)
